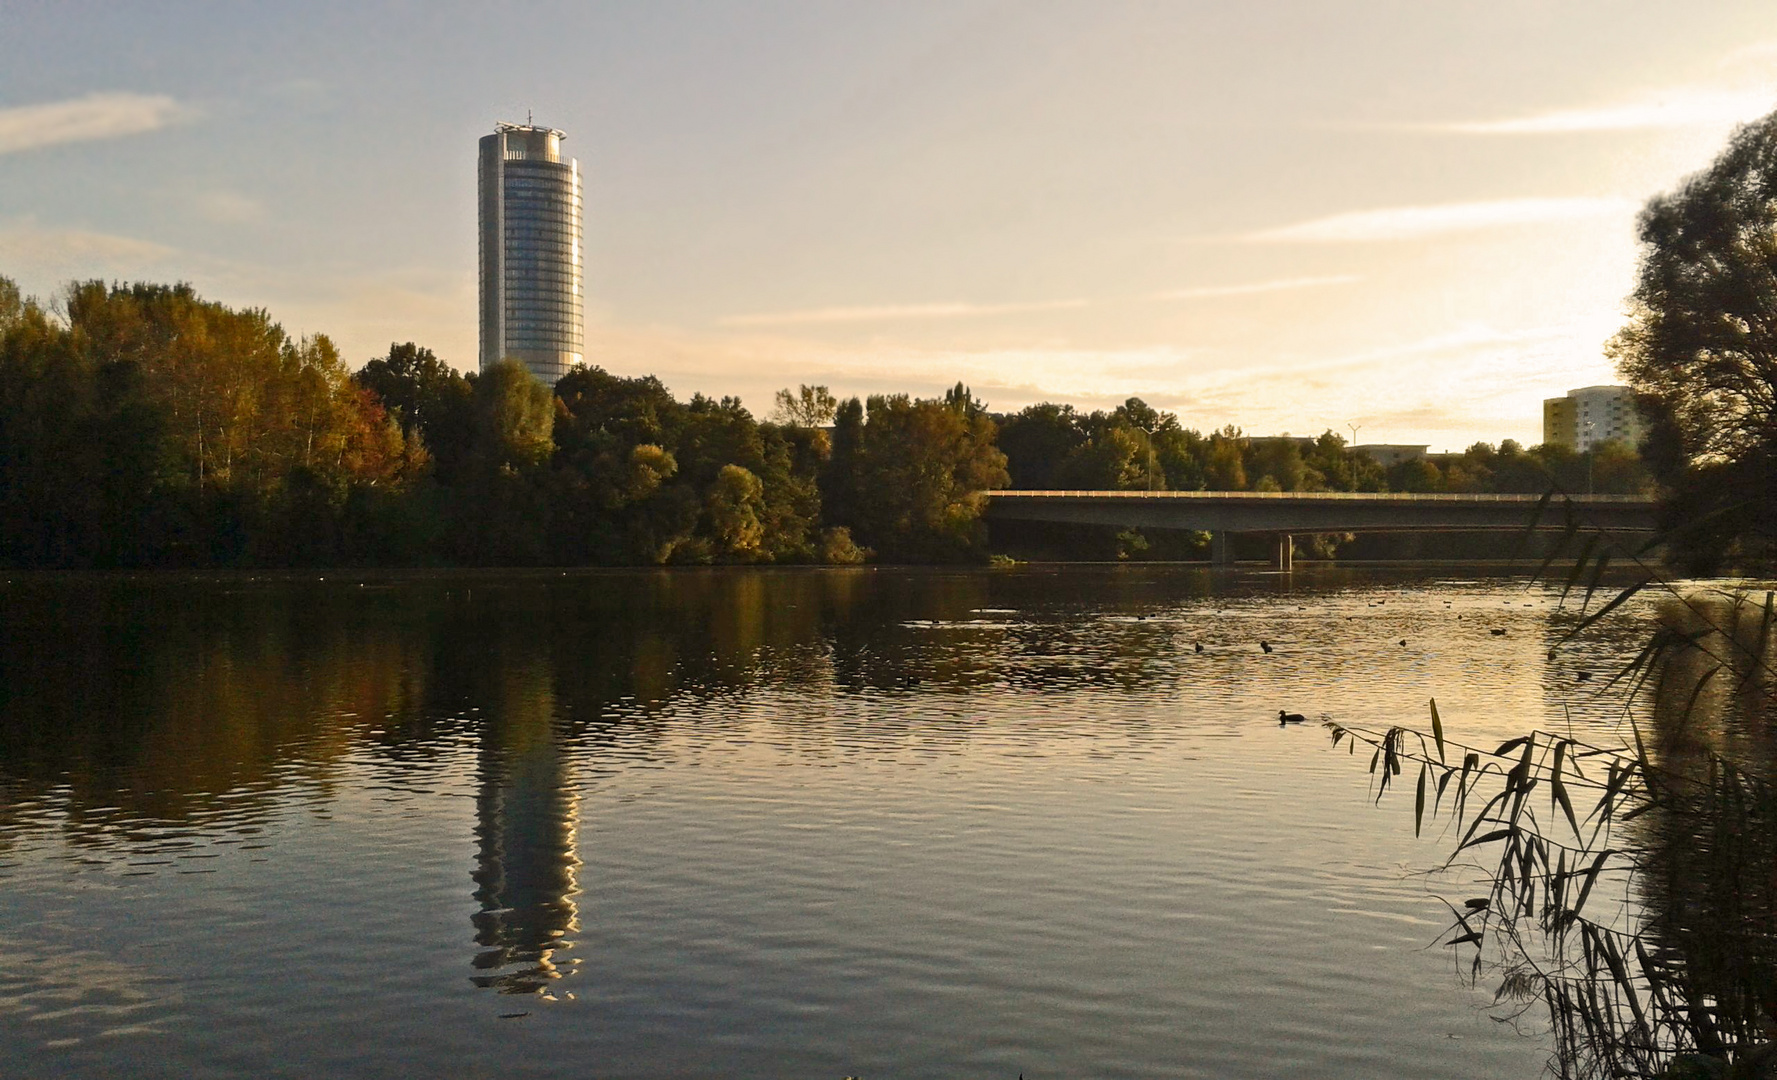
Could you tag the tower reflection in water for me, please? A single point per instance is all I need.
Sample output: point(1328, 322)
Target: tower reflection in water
point(526, 818)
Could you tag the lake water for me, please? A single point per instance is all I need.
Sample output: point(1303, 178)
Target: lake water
point(736, 823)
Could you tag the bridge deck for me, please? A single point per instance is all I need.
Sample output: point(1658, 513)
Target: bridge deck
point(1322, 511)
point(1350, 496)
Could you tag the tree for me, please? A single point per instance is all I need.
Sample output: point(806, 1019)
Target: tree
point(1223, 468)
point(1116, 459)
point(1281, 460)
point(917, 476)
point(1700, 347)
point(430, 399)
point(514, 417)
point(841, 497)
point(809, 407)
point(735, 503)
point(1035, 441)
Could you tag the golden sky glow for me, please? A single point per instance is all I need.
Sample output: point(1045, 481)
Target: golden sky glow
point(1414, 219)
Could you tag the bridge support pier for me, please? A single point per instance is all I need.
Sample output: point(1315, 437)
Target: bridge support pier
point(1221, 548)
point(1286, 552)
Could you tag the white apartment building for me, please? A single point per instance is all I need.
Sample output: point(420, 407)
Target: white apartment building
point(1591, 415)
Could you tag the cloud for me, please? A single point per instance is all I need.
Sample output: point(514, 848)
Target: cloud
point(77, 252)
point(895, 312)
point(96, 116)
point(229, 207)
point(1676, 107)
point(1420, 222)
point(959, 310)
point(1208, 291)
point(1742, 89)
point(1458, 384)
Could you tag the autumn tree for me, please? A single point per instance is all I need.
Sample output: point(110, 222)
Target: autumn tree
point(431, 400)
point(151, 426)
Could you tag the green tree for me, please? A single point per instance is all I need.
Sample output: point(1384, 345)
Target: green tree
point(1036, 440)
point(1415, 475)
point(1224, 465)
point(1281, 460)
point(1701, 348)
point(735, 504)
point(1180, 456)
point(924, 465)
point(841, 496)
point(1116, 459)
point(504, 507)
point(514, 417)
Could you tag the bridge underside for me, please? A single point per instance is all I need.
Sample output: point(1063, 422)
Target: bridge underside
point(1224, 514)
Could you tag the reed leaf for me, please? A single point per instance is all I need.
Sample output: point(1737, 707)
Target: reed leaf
point(1598, 569)
point(1579, 566)
point(1615, 602)
point(1419, 799)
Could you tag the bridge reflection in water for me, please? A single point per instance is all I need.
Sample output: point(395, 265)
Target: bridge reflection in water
point(1224, 514)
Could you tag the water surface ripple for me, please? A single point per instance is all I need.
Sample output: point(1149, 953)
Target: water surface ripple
point(734, 823)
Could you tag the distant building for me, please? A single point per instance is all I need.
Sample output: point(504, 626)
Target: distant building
point(1388, 455)
point(531, 265)
point(1591, 415)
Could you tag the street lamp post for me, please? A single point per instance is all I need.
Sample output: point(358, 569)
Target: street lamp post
point(1591, 452)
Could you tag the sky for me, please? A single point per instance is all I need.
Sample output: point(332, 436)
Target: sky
point(1408, 222)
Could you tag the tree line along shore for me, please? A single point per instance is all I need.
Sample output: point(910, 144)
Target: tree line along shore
point(147, 427)
point(142, 426)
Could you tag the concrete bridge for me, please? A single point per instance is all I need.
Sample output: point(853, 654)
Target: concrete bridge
point(1282, 513)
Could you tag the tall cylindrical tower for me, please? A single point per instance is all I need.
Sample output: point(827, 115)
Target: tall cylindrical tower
point(531, 279)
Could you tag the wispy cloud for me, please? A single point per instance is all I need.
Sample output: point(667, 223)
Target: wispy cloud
point(1676, 107)
point(228, 207)
point(79, 251)
point(96, 116)
point(1742, 88)
point(1202, 292)
point(1420, 222)
point(892, 312)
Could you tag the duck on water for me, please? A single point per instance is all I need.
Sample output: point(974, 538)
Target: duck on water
point(1290, 718)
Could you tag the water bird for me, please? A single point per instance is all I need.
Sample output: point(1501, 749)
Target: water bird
point(1497, 632)
point(1583, 675)
point(1290, 718)
point(1198, 647)
point(1266, 645)
point(1403, 643)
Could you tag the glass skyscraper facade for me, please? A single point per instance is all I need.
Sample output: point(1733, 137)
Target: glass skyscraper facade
point(532, 287)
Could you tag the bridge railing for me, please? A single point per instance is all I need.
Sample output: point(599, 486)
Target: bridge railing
point(1395, 496)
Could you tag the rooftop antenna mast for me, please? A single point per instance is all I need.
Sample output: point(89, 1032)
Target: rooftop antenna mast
point(527, 119)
